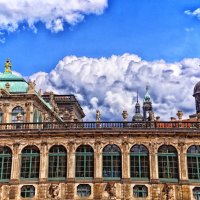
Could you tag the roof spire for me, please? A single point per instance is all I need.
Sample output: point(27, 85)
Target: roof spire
point(147, 96)
point(8, 66)
point(137, 95)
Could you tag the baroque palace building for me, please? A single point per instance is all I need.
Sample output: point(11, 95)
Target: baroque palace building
point(48, 152)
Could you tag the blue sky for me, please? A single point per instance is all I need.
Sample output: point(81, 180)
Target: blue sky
point(102, 51)
point(152, 29)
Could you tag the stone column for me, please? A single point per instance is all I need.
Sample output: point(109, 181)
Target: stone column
point(153, 163)
point(182, 160)
point(71, 162)
point(97, 161)
point(15, 172)
point(125, 161)
point(43, 162)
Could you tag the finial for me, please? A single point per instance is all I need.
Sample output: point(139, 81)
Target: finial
point(8, 66)
point(137, 95)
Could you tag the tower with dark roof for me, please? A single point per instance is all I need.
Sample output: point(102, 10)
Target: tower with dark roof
point(196, 95)
point(137, 116)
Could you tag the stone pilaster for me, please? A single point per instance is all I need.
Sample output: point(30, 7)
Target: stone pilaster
point(29, 112)
point(97, 161)
point(125, 161)
point(153, 163)
point(71, 162)
point(6, 113)
point(15, 172)
point(43, 162)
point(182, 159)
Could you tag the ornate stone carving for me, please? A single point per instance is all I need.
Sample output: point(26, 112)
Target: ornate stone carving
point(54, 191)
point(111, 190)
point(5, 192)
point(46, 117)
point(167, 192)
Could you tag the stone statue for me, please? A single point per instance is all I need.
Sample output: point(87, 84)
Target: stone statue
point(8, 65)
point(125, 115)
point(111, 190)
point(31, 87)
point(54, 191)
point(19, 117)
point(167, 192)
point(151, 116)
point(98, 116)
point(179, 115)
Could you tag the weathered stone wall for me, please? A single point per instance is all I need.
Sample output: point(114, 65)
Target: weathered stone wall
point(98, 139)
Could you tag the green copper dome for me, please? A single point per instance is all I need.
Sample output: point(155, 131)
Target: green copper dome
point(17, 84)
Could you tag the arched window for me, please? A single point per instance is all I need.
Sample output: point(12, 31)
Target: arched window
point(193, 162)
point(40, 118)
point(168, 163)
point(139, 162)
point(140, 191)
point(57, 163)
point(16, 112)
point(196, 193)
point(28, 191)
point(35, 117)
point(112, 162)
point(84, 162)
point(5, 163)
point(30, 163)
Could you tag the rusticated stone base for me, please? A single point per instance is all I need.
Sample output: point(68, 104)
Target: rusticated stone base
point(99, 191)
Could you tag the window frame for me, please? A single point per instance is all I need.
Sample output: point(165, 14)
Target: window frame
point(139, 155)
point(137, 191)
point(196, 166)
point(165, 157)
point(84, 190)
point(2, 165)
point(27, 192)
point(196, 193)
point(30, 157)
point(88, 157)
point(112, 155)
point(14, 114)
point(58, 156)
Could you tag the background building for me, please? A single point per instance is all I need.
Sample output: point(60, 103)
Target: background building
point(47, 151)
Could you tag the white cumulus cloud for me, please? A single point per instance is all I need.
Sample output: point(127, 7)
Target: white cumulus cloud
point(110, 84)
point(195, 13)
point(53, 13)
